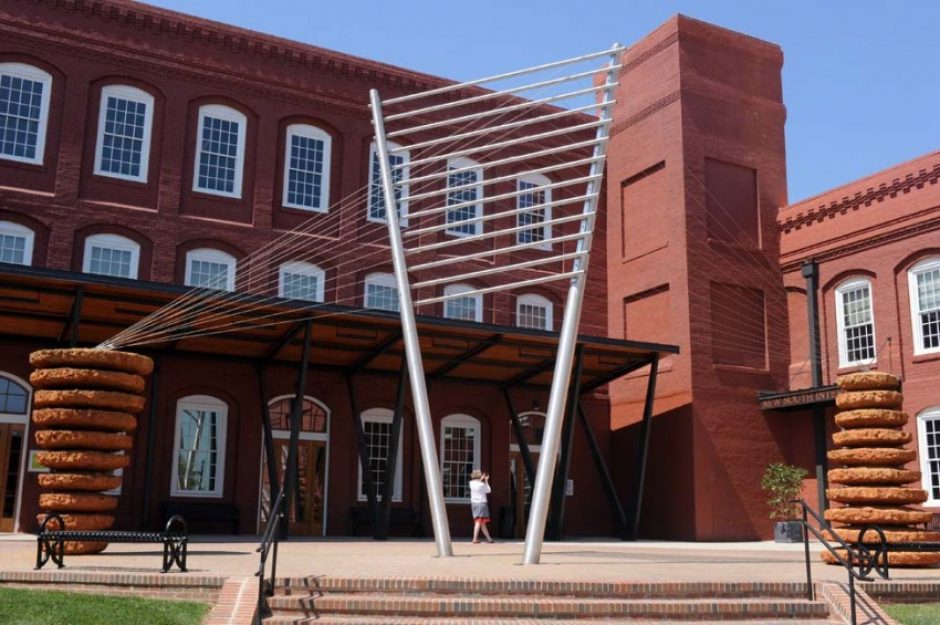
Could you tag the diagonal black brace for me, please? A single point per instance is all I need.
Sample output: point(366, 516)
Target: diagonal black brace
point(274, 483)
point(520, 439)
point(363, 361)
point(609, 488)
point(380, 531)
point(477, 349)
point(639, 472)
point(74, 320)
point(530, 373)
point(291, 480)
point(555, 530)
point(289, 336)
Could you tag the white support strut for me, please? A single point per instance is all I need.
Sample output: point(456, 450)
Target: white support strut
point(419, 391)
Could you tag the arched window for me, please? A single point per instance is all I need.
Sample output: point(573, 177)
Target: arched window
point(535, 196)
point(210, 268)
point(399, 162)
point(377, 428)
point(124, 123)
point(928, 433)
point(460, 454)
point(534, 311)
point(199, 447)
point(314, 416)
point(111, 255)
point(466, 308)
point(465, 196)
point(923, 281)
point(14, 400)
point(16, 243)
point(533, 426)
point(302, 281)
point(855, 321)
point(24, 112)
point(381, 291)
point(307, 168)
point(220, 151)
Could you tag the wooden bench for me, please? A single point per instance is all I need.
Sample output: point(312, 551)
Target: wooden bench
point(203, 512)
point(50, 542)
point(397, 516)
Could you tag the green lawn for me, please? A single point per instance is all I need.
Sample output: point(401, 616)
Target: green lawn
point(914, 613)
point(46, 607)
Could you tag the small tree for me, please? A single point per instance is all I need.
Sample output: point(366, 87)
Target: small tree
point(783, 483)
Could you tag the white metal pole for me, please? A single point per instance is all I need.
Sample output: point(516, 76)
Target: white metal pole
point(419, 391)
point(544, 475)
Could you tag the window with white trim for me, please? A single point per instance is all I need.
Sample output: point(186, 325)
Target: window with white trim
point(307, 168)
point(399, 163)
point(302, 281)
point(381, 291)
point(855, 321)
point(111, 255)
point(465, 194)
point(211, 269)
point(24, 112)
point(377, 427)
point(124, 123)
point(928, 436)
point(467, 308)
point(14, 400)
point(923, 282)
point(16, 243)
point(220, 151)
point(534, 311)
point(460, 454)
point(199, 447)
point(534, 196)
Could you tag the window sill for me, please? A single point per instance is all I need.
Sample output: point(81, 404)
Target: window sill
point(457, 502)
point(196, 495)
point(855, 368)
point(927, 357)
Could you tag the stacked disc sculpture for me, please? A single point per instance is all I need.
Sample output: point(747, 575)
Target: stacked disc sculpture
point(872, 488)
point(84, 412)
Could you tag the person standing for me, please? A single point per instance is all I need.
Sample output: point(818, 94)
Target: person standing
point(479, 489)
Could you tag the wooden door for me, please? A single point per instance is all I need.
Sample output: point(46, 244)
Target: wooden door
point(11, 455)
point(311, 469)
point(520, 492)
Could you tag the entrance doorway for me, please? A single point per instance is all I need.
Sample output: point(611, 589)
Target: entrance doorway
point(14, 416)
point(520, 491)
point(307, 516)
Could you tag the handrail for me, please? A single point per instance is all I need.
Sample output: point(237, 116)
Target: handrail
point(269, 538)
point(858, 555)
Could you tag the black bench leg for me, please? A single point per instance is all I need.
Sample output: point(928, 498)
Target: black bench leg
point(174, 552)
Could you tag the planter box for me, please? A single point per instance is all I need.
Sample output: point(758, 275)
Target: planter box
point(788, 532)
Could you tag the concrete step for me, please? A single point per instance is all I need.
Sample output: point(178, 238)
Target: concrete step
point(301, 586)
point(520, 606)
point(384, 620)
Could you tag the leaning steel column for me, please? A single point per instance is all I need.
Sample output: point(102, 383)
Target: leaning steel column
point(541, 493)
point(419, 394)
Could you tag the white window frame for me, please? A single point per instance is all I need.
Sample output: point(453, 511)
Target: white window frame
point(222, 112)
point(406, 170)
point(300, 267)
point(113, 242)
point(26, 453)
point(211, 255)
point(13, 229)
point(462, 421)
point(201, 402)
point(850, 285)
point(311, 132)
point(457, 289)
point(463, 162)
point(30, 72)
point(928, 264)
point(125, 92)
point(533, 299)
point(378, 279)
point(382, 415)
point(541, 183)
point(928, 414)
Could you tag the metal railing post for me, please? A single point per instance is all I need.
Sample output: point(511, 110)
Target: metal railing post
point(810, 591)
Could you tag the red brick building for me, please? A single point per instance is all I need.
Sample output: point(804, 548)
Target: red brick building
point(144, 150)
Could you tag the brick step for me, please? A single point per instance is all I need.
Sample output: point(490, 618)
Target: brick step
point(541, 607)
point(412, 620)
point(302, 586)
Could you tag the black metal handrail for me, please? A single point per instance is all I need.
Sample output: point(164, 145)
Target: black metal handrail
point(859, 555)
point(269, 541)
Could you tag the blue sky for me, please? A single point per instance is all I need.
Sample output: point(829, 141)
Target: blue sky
point(861, 82)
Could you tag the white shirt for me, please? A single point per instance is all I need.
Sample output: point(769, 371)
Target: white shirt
point(478, 491)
